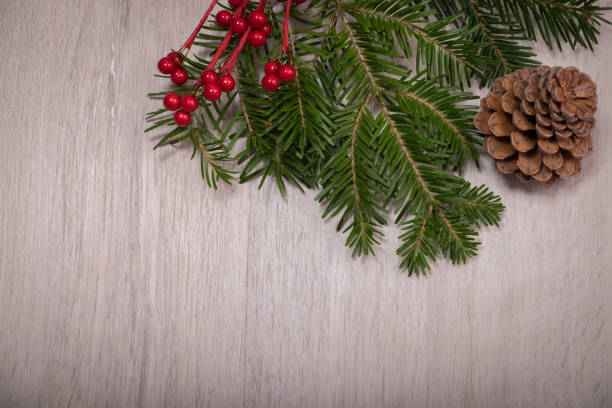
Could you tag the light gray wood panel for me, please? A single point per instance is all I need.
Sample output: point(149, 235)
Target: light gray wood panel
point(125, 281)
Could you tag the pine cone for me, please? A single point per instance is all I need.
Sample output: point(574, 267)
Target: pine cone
point(538, 122)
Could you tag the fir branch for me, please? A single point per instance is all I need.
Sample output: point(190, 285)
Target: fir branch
point(503, 35)
point(298, 87)
point(285, 139)
point(425, 197)
point(418, 244)
point(441, 108)
point(212, 153)
point(488, 36)
point(350, 181)
point(414, 186)
point(376, 91)
point(448, 53)
point(573, 22)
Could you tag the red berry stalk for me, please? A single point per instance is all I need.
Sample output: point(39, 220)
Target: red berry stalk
point(228, 36)
point(192, 37)
point(285, 46)
point(231, 61)
point(171, 64)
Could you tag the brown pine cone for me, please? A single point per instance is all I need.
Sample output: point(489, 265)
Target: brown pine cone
point(538, 122)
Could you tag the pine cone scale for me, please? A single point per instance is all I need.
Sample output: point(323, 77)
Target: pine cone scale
point(522, 142)
point(530, 163)
point(500, 124)
point(553, 161)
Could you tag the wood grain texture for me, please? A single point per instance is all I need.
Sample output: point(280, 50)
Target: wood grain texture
point(125, 282)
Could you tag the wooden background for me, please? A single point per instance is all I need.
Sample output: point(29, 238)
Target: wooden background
point(125, 281)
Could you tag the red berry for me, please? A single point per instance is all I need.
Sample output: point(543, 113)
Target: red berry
point(270, 83)
point(271, 67)
point(166, 66)
point(257, 19)
point(212, 92)
point(208, 77)
point(257, 38)
point(224, 18)
point(299, 1)
point(182, 118)
point(239, 25)
point(227, 83)
point(179, 76)
point(266, 29)
point(235, 3)
point(171, 101)
point(176, 57)
point(286, 73)
point(189, 103)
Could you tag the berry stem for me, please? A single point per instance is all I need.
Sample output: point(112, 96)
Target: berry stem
point(196, 86)
point(192, 37)
point(227, 39)
point(220, 50)
point(261, 5)
point(285, 47)
point(231, 61)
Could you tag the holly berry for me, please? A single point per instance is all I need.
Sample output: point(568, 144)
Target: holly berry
point(235, 3)
point(257, 19)
point(227, 83)
point(179, 76)
point(239, 25)
point(286, 73)
point(166, 65)
point(256, 38)
point(171, 101)
point(208, 77)
point(212, 92)
point(266, 29)
point(182, 118)
point(224, 18)
point(189, 103)
point(271, 67)
point(270, 83)
point(176, 57)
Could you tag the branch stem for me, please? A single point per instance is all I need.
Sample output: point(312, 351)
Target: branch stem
point(228, 37)
point(231, 61)
point(285, 47)
point(354, 165)
point(187, 46)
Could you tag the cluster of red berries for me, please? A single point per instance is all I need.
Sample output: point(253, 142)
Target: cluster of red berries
point(187, 103)
point(254, 29)
point(214, 85)
point(275, 73)
point(171, 65)
point(257, 21)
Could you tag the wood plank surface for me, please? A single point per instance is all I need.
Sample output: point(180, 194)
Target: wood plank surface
point(126, 282)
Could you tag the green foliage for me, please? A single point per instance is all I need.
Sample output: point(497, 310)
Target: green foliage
point(380, 138)
point(441, 51)
point(504, 26)
point(353, 178)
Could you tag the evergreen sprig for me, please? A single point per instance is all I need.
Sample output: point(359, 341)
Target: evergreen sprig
point(376, 134)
